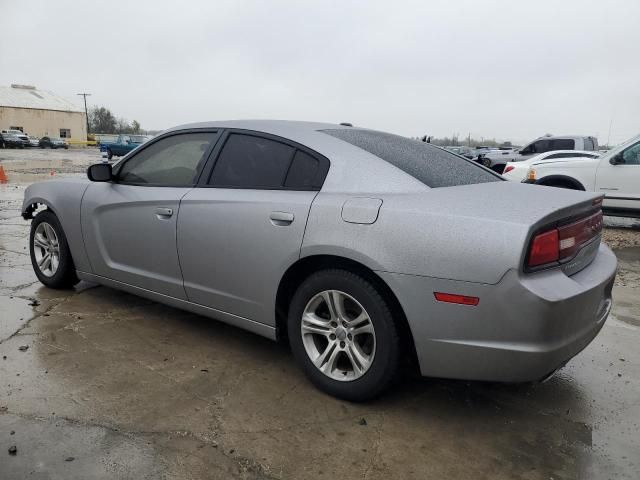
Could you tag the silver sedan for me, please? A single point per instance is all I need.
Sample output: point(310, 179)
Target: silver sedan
point(358, 247)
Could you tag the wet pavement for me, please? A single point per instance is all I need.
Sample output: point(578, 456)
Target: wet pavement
point(114, 386)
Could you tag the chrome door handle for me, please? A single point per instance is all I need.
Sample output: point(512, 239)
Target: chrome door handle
point(164, 212)
point(281, 219)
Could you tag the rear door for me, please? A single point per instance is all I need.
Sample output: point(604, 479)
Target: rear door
point(129, 225)
point(243, 226)
point(620, 182)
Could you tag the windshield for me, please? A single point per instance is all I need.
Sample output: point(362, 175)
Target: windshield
point(431, 165)
point(622, 146)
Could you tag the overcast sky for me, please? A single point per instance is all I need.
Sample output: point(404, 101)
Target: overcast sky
point(504, 69)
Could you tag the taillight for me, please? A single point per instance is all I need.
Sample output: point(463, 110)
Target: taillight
point(508, 169)
point(562, 243)
point(544, 248)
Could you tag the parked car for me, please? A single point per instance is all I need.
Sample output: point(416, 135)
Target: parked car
point(461, 150)
point(10, 140)
point(517, 171)
point(123, 145)
point(53, 142)
point(18, 133)
point(615, 174)
point(498, 160)
point(34, 141)
point(22, 137)
point(271, 226)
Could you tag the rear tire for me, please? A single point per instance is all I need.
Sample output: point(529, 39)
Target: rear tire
point(109, 154)
point(350, 350)
point(50, 255)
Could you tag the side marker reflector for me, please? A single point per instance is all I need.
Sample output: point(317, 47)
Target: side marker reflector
point(459, 299)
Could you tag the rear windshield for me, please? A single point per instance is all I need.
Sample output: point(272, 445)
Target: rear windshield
point(433, 166)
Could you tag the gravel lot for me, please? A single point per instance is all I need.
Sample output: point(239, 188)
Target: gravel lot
point(96, 383)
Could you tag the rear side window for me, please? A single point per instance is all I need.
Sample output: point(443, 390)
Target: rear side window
point(565, 155)
point(563, 144)
point(433, 166)
point(304, 171)
point(247, 161)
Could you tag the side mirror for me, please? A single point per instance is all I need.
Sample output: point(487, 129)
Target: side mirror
point(617, 159)
point(100, 172)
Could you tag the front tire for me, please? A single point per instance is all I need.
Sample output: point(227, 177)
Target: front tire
point(343, 335)
point(109, 154)
point(50, 254)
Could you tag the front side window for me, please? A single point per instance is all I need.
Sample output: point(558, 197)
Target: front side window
point(433, 166)
point(248, 161)
point(540, 146)
point(631, 155)
point(174, 160)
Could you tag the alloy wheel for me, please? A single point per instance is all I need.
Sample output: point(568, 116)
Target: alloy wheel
point(46, 249)
point(338, 335)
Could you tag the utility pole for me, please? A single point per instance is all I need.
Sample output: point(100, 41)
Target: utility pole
point(86, 113)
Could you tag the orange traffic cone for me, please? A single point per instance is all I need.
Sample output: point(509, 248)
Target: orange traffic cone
point(3, 176)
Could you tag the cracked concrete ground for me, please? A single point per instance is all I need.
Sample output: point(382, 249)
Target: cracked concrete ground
point(114, 386)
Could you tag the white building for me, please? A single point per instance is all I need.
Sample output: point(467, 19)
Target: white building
point(41, 113)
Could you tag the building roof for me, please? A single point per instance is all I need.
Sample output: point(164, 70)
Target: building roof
point(26, 96)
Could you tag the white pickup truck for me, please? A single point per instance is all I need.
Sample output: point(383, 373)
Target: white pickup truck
point(616, 174)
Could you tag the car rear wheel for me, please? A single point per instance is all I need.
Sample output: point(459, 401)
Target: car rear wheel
point(49, 250)
point(343, 335)
point(109, 154)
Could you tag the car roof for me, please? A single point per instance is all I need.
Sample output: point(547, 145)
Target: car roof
point(576, 152)
point(285, 128)
point(349, 163)
point(555, 137)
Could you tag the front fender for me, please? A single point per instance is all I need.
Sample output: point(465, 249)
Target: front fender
point(63, 198)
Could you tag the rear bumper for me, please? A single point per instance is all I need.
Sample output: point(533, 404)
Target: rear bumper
point(525, 326)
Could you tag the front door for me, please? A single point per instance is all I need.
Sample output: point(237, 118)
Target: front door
point(238, 234)
point(129, 225)
point(620, 181)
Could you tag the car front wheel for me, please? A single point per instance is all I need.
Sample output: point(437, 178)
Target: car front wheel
point(109, 154)
point(50, 255)
point(343, 335)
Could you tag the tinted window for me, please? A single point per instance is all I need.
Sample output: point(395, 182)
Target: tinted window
point(433, 166)
point(252, 162)
point(565, 155)
point(172, 160)
point(304, 172)
point(540, 146)
point(562, 144)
